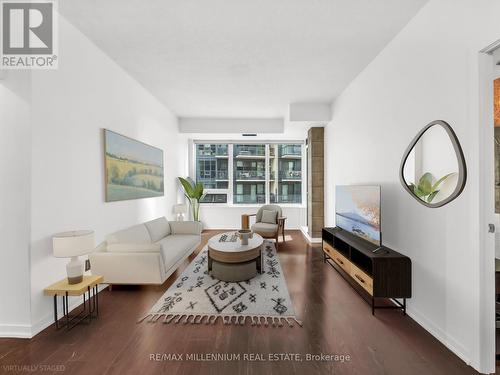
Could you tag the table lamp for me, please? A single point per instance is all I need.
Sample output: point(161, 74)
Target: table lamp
point(71, 245)
point(180, 210)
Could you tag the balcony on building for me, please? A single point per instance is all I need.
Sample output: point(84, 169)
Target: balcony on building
point(221, 151)
point(222, 176)
point(250, 175)
point(290, 176)
point(290, 151)
point(250, 151)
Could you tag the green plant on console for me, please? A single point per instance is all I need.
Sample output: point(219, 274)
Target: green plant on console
point(426, 189)
point(194, 194)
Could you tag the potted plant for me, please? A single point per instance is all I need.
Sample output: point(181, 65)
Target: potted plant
point(194, 194)
point(427, 189)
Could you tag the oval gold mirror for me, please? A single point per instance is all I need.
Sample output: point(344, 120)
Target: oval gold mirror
point(433, 168)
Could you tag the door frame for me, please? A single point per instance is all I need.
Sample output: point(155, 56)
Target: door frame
point(485, 337)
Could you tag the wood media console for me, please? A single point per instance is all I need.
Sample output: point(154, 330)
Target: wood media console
point(385, 274)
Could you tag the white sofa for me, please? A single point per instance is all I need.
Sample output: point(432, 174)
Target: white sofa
point(147, 253)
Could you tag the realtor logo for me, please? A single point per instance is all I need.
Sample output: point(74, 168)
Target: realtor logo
point(28, 35)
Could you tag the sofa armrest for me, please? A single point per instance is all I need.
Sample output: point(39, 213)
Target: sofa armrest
point(185, 227)
point(128, 268)
point(101, 247)
point(245, 220)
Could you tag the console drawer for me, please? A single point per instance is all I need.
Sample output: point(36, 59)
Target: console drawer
point(362, 279)
point(342, 261)
point(328, 249)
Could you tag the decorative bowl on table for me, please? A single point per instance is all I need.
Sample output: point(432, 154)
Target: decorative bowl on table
point(245, 235)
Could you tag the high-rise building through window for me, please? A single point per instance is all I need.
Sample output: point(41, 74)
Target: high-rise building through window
point(253, 173)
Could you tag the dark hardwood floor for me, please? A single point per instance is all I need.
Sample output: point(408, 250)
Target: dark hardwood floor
point(336, 321)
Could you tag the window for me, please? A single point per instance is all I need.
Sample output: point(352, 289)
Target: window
point(250, 173)
point(212, 171)
point(285, 180)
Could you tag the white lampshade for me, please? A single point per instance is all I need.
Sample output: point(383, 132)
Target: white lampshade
point(73, 243)
point(180, 208)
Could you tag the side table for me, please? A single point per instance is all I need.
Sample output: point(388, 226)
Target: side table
point(87, 288)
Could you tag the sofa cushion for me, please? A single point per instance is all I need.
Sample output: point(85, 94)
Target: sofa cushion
point(133, 248)
point(137, 234)
point(266, 228)
point(158, 228)
point(174, 247)
point(269, 216)
point(185, 227)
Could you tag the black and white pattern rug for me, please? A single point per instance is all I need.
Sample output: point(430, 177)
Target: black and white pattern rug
point(198, 298)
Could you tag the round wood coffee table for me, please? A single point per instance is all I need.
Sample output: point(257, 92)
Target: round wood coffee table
point(229, 260)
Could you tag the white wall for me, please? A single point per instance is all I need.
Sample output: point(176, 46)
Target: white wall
point(15, 158)
point(229, 217)
point(71, 105)
point(311, 112)
point(428, 72)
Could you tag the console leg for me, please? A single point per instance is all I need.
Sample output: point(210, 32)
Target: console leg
point(404, 306)
point(373, 306)
point(55, 310)
point(67, 311)
point(96, 295)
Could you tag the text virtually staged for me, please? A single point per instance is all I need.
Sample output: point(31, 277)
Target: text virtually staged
point(238, 187)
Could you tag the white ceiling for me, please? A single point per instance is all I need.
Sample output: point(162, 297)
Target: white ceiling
point(241, 58)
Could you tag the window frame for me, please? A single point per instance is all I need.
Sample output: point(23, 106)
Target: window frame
point(230, 190)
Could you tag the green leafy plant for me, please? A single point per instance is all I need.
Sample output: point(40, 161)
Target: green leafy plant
point(427, 189)
point(194, 194)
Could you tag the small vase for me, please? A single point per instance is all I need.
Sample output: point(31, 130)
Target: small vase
point(245, 235)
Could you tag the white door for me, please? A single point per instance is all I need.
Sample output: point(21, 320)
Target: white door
point(485, 340)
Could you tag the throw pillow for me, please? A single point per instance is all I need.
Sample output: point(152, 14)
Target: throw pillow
point(269, 216)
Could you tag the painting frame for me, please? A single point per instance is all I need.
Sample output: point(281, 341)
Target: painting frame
point(127, 187)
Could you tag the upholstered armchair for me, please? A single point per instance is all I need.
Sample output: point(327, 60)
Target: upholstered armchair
point(269, 222)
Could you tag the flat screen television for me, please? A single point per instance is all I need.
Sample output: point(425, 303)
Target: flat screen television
point(357, 210)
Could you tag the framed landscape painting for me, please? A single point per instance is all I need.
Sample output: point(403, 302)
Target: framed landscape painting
point(133, 169)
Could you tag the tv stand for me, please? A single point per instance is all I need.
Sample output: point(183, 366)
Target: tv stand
point(379, 250)
point(374, 272)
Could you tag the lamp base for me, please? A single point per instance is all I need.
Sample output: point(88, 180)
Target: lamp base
point(74, 269)
point(75, 280)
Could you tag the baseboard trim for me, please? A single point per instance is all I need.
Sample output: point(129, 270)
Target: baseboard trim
point(448, 341)
point(48, 319)
point(18, 331)
point(309, 239)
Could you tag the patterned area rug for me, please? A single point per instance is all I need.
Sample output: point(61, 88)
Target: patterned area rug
point(198, 298)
